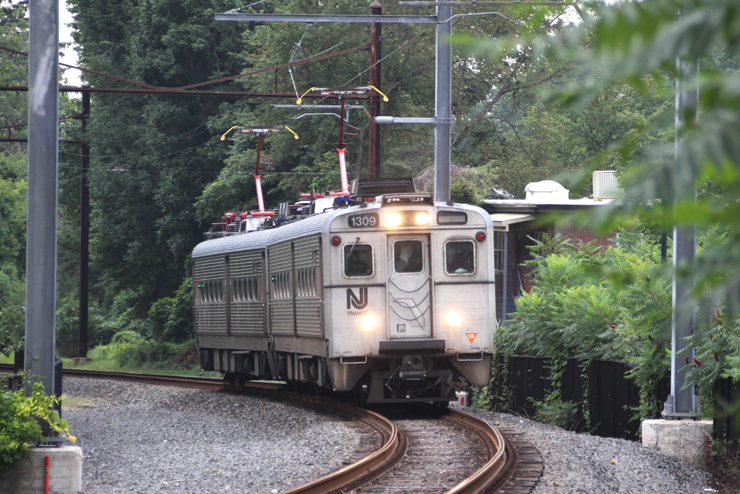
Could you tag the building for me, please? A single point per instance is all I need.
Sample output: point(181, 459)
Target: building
point(515, 224)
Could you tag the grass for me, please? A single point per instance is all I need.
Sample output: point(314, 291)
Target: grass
point(110, 365)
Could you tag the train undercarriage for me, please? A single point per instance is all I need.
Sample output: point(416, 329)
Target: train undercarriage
point(399, 378)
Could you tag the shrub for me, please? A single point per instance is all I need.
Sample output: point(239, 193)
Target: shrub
point(171, 318)
point(129, 349)
point(20, 418)
point(607, 303)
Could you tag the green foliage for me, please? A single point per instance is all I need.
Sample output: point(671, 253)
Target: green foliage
point(12, 250)
point(13, 72)
point(131, 350)
point(608, 303)
point(20, 421)
point(716, 349)
point(172, 318)
point(635, 42)
point(558, 413)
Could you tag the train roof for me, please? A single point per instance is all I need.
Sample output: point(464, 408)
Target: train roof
point(319, 223)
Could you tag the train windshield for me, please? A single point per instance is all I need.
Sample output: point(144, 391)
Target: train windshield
point(460, 257)
point(408, 256)
point(358, 260)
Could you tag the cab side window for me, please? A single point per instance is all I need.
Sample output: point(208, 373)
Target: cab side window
point(460, 257)
point(358, 260)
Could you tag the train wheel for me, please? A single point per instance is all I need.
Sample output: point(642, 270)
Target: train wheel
point(316, 390)
point(230, 377)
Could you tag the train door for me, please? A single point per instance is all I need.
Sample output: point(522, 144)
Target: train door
point(409, 287)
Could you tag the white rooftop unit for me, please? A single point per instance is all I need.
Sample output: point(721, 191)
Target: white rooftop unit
point(546, 192)
point(606, 185)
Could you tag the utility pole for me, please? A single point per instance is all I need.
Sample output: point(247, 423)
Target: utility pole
point(43, 144)
point(84, 231)
point(373, 169)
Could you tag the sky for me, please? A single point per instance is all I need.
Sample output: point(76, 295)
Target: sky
point(69, 55)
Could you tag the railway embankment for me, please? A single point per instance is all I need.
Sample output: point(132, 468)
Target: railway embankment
point(142, 438)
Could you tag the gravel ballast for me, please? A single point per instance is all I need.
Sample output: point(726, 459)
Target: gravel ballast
point(140, 438)
point(579, 463)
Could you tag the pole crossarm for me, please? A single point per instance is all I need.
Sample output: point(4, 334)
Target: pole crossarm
point(422, 3)
point(311, 18)
point(405, 120)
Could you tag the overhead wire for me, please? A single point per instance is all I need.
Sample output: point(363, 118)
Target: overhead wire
point(422, 32)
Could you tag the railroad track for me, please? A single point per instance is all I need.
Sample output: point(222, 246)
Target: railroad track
point(499, 464)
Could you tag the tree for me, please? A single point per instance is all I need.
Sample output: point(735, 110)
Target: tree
point(13, 108)
point(637, 44)
point(151, 155)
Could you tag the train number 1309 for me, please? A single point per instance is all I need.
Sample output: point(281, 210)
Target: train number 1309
point(362, 220)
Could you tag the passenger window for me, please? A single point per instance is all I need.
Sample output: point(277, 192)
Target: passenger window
point(358, 260)
point(460, 257)
point(408, 256)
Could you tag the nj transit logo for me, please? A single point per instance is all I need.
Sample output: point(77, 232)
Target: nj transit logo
point(355, 302)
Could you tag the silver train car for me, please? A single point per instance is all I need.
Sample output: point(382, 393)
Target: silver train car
point(392, 299)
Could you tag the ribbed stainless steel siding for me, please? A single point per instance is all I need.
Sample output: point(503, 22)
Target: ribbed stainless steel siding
point(245, 264)
point(209, 318)
point(247, 318)
point(308, 300)
point(281, 309)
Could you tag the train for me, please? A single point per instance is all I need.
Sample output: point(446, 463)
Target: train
point(382, 293)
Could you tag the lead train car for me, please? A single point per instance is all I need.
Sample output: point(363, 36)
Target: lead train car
point(393, 300)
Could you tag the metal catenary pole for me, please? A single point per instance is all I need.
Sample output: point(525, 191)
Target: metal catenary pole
point(443, 70)
point(41, 254)
point(682, 402)
point(443, 106)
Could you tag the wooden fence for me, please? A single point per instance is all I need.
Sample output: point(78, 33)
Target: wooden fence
point(600, 393)
point(727, 411)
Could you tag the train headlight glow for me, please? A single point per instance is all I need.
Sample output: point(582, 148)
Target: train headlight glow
point(421, 218)
point(393, 219)
point(453, 319)
point(369, 322)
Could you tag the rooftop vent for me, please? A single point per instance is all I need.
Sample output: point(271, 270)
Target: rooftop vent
point(546, 192)
point(606, 185)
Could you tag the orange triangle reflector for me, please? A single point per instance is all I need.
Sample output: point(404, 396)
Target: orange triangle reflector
point(471, 336)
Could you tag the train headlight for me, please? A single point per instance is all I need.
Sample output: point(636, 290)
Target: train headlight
point(393, 219)
point(369, 322)
point(421, 218)
point(453, 319)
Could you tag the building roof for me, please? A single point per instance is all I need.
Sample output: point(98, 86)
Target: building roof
point(503, 220)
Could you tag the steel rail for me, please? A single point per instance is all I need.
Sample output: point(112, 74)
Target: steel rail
point(502, 461)
point(486, 479)
point(358, 473)
point(364, 470)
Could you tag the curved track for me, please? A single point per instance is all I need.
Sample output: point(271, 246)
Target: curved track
point(501, 456)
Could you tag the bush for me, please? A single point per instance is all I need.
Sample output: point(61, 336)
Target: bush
point(607, 303)
point(20, 418)
point(129, 349)
point(171, 318)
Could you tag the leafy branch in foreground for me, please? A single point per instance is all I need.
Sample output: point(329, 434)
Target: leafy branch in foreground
point(20, 421)
point(639, 43)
